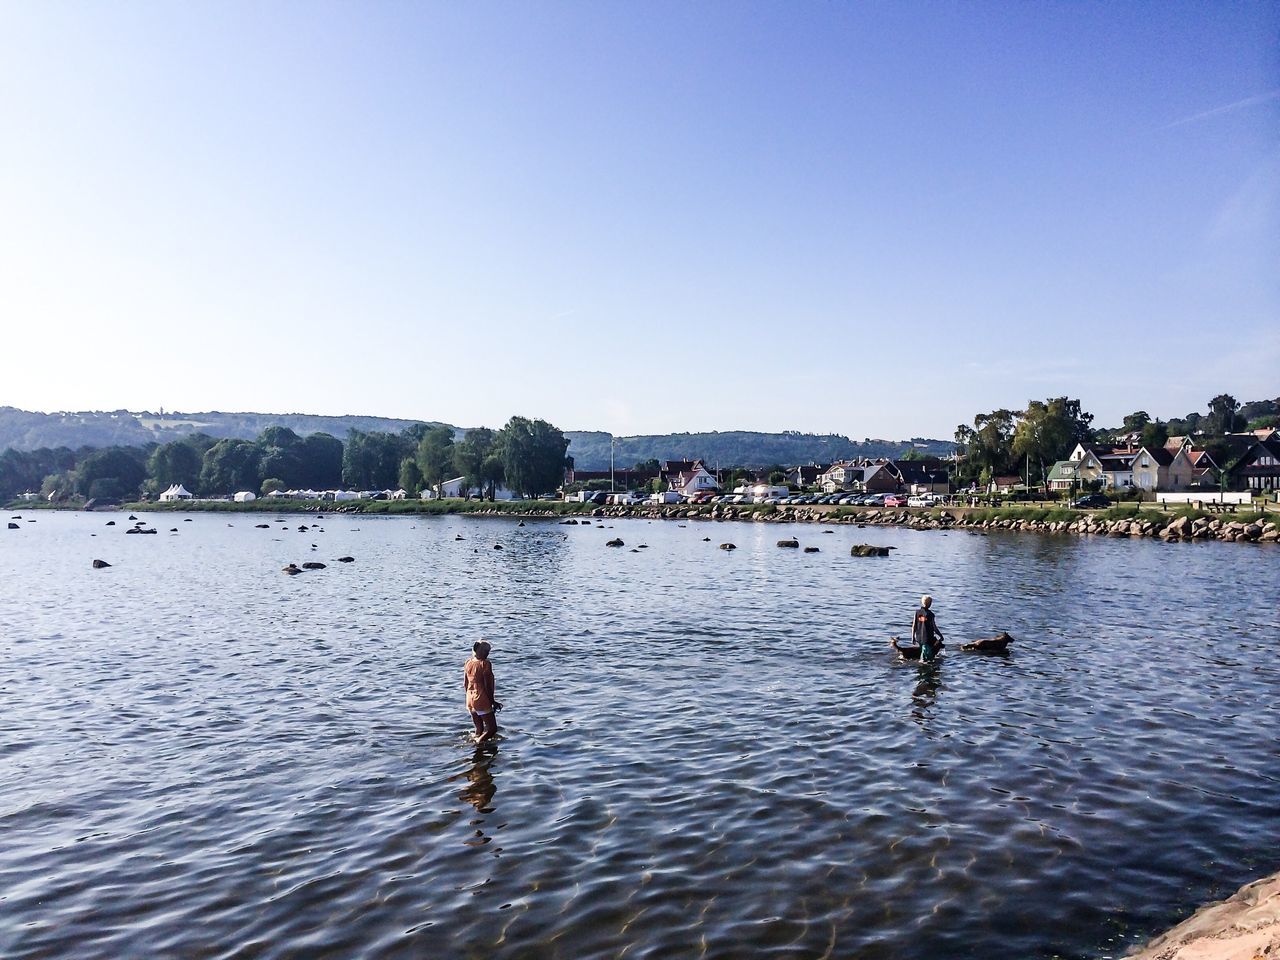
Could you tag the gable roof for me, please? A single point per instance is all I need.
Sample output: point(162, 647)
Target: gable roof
point(1159, 454)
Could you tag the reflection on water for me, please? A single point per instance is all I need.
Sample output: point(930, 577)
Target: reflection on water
point(925, 694)
point(480, 788)
point(704, 753)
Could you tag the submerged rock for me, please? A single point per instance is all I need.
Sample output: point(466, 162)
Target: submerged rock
point(313, 565)
point(346, 559)
point(292, 569)
point(615, 542)
point(868, 550)
point(792, 544)
point(100, 564)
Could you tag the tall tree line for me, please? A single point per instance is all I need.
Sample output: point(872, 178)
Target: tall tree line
point(527, 455)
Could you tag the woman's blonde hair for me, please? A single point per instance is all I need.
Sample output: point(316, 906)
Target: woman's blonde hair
point(926, 600)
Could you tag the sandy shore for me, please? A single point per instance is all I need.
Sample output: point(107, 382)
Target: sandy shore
point(1245, 926)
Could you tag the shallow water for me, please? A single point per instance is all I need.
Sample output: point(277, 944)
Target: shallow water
point(704, 753)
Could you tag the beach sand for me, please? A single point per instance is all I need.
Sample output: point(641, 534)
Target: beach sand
point(1245, 926)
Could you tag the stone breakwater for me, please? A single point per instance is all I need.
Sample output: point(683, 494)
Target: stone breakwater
point(1173, 528)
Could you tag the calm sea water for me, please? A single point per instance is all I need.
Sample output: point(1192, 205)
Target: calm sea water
point(704, 754)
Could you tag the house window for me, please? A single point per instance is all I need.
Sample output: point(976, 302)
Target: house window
point(1146, 462)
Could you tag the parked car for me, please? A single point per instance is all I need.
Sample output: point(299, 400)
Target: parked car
point(923, 500)
point(894, 500)
point(1090, 501)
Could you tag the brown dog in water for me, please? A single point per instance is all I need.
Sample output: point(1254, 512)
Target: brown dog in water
point(996, 644)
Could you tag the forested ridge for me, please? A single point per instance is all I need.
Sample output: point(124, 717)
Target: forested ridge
point(26, 431)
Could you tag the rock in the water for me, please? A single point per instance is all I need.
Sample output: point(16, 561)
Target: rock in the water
point(132, 517)
point(706, 539)
point(728, 546)
point(14, 526)
point(313, 565)
point(346, 559)
point(99, 564)
point(497, 546)
point(810, 549)
point(868, 550)
point(111, 523)
point(792, 544)
point(292, 569)
point(262, 526)
point(615, 542)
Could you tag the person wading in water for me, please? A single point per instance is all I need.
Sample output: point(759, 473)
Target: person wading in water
point(477, 679)
point(924, 631)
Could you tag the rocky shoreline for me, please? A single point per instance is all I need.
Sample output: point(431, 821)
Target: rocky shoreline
point(1245, 926)
point(1174, 528)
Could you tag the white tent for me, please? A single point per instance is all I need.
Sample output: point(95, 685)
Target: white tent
point(176, 492)
point(244, 496)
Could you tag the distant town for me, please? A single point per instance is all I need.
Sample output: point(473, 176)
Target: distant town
point(1050, 450)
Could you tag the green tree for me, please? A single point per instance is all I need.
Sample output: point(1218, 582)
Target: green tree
point(113, 473)
point(991, 446)
point(1135, 422)
point(176, 462)
point(471, 454)
point(21, 471)
point(371, 461)
point(272, 484)
point(281, 456)
point(533, 456)
point(230, 466)
point(1155, 434)
point(1048, 431)
point(1222, 417)
point(435, 456)
point(410, 476)
point(321, 455)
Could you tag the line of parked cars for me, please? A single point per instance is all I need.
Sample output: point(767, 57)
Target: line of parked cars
point(831, 499)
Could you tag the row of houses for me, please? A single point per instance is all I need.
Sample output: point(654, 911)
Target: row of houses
point(691, 479)
point(1252, 462)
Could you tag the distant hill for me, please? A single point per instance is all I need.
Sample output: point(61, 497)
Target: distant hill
point(25, 430)
point(590, 450)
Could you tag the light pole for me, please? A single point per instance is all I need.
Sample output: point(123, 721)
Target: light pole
point(613, 441)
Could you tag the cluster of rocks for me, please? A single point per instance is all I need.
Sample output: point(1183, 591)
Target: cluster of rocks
point(1180, 527)
point(1174, 528)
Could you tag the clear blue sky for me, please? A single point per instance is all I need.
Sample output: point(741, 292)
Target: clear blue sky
point(876, 219)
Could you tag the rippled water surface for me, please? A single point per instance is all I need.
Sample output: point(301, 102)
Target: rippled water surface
point(704, 753)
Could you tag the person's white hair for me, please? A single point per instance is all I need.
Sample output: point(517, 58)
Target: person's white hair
point(926, 600)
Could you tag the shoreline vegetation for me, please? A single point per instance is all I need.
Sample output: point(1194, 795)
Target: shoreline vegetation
point(1129, 520)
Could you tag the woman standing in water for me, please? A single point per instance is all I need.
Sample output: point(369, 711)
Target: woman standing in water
point(477, 680)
